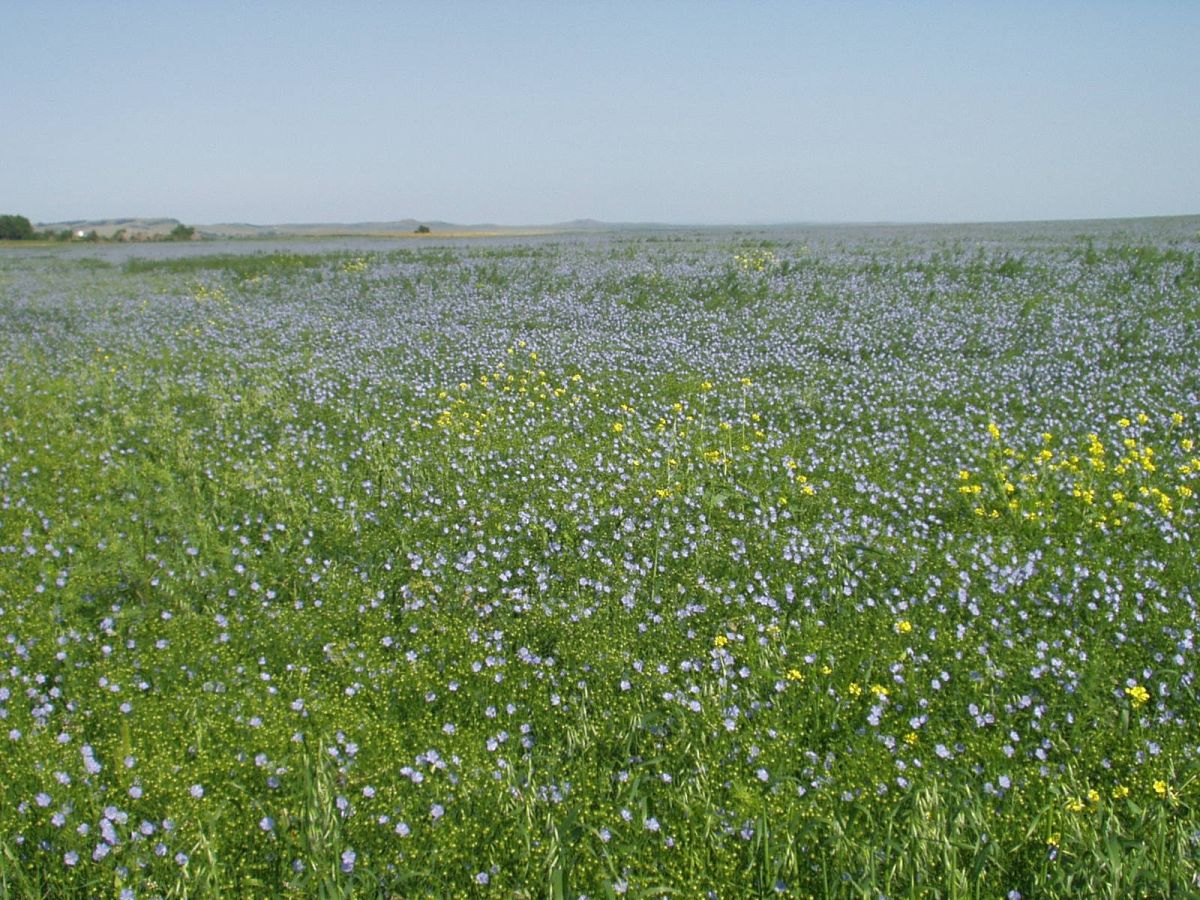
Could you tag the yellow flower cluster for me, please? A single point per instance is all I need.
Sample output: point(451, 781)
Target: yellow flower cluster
point(495, 395)
point(202, 293)
point(1088, 803)
point(756, 261)
point(1032, 486)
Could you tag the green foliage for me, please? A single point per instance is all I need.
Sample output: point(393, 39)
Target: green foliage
point(181, 232)
point(15, 228)
point(239, 265)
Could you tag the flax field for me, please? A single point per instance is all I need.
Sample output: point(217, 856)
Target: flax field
point(831, 563)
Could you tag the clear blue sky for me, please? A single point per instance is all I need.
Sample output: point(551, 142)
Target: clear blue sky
point(534, 112)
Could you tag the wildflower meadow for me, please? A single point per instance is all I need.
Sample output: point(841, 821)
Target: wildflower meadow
point(828, 562)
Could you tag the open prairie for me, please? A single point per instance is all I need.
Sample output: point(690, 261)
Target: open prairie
point(833, 562)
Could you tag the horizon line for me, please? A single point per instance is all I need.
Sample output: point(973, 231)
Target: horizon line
point(587, 221)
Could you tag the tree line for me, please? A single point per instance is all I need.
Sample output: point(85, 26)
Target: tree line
point(16, 228)
point(19, 228)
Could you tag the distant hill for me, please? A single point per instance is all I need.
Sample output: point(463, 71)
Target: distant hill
point(155, 228)
point(148, 228)
point(395, 228)
point(316, 229)
point(134, 228)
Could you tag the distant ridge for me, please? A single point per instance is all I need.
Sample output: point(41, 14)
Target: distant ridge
point(394, 227)
point(134, 227)
point(142, 228)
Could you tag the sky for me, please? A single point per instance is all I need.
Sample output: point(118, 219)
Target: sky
point(537, 112)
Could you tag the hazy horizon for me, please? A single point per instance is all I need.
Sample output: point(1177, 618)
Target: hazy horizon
point(586, 220)
point(535, 113)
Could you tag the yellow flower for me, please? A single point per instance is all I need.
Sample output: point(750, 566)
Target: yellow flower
point(720, 640)
point(1138, 694)
point(911, 738)
point(855, 690)
point(795, 675)
point(903, 626)
point(618, 427)
point(1161, 788)
point(1120, 792)
point(879, 690)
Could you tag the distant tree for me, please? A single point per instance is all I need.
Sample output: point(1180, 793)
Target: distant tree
point(421, 229)
point(181, 232)
point(15, 228)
